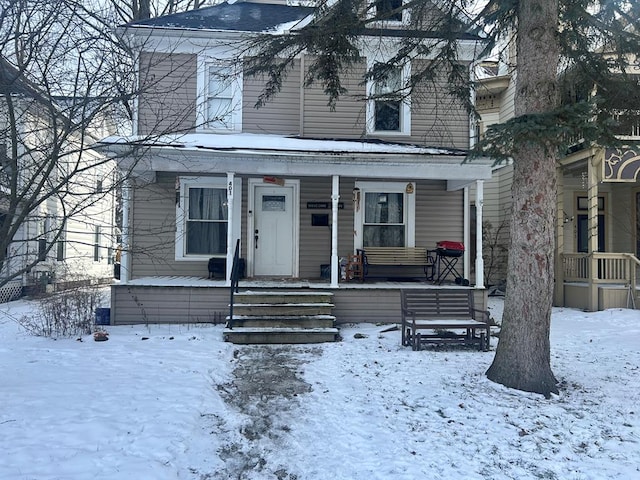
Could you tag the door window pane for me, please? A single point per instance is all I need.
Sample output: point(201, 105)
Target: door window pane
point(273, 203)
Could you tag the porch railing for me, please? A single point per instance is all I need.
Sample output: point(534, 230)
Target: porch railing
point(611, 268)
point(235, 278)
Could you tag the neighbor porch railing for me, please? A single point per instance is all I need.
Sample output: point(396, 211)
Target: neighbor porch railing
point(610, 268)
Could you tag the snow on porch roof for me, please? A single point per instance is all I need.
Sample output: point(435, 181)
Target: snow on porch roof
point(275, 144)
point(251, 154)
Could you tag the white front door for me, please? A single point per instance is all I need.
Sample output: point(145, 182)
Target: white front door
point(274, 230)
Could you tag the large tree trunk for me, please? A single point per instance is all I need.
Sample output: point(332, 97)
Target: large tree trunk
point(522, 359)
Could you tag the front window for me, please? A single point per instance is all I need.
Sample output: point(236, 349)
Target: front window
point(206, 225)
point(384, 214)
point(384, 220)
point(202, 216)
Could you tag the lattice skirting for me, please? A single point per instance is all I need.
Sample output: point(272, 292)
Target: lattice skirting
point(10, 291)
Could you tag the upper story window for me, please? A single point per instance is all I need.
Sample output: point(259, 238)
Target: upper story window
point(388, 112)
point(388, 10)
point(220, 100)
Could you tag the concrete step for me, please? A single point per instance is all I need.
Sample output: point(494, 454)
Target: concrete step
point(282, 297)
point(289, 309)
point(256, 335)
point(282, 321)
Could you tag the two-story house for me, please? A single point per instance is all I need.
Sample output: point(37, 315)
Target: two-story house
point(598, 223)
point(301, 186)
point(56, 206)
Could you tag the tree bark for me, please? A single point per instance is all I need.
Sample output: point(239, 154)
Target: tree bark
point(522, 359)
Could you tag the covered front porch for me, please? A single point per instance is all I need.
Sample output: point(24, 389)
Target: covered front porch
point(598, 233)
point(298, 208)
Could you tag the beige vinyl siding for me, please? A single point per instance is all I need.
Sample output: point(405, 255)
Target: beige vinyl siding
point(315, 242)
point(378, 305)
point(168, 100)
point(132, 304)
point(153, 233)
point(348, 118)
point(135, 304)
point(439, 214)
point(437, 118)
point(281, 115)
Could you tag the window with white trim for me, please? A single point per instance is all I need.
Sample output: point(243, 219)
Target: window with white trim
point(202, 217)
point(219, 98)
point(220, 104)
point(385, 214)
point(387, 111)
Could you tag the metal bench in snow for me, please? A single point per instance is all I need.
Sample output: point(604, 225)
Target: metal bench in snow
point(443, 316)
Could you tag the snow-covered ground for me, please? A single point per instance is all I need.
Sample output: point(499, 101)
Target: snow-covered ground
point(175, 402)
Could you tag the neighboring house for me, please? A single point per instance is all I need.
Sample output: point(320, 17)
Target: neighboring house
point(299, 185)
point(598, 224)
point(66, 239)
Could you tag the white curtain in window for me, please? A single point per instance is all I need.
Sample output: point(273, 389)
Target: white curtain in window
point(384, 220)
point(207, 221)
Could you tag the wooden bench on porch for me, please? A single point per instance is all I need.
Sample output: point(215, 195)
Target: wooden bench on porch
point(443, 315)
point(398, 257)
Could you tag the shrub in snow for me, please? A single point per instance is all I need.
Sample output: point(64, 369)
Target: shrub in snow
point(65, 314)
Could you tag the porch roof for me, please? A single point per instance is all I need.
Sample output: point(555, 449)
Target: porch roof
point(246, 153)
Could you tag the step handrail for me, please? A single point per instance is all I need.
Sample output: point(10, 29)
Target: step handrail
point(235, 278)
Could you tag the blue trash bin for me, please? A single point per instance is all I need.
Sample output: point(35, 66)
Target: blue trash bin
point(103, 316)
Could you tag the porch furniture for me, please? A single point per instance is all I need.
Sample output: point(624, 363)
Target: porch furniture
point(445, 316)
point(447, 254)
point(398, 257)
point(355, 268)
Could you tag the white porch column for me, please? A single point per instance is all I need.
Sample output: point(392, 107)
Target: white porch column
point(466, 235)
point(230, 223)
point(592, 193)
point(560, 225)
point(125, 255)
point(335, 196)
point(479, 259)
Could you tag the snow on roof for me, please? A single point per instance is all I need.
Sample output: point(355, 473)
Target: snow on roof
point(232, 17)
point(274, 144)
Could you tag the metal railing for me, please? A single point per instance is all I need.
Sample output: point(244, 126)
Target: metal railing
point(235, 278)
